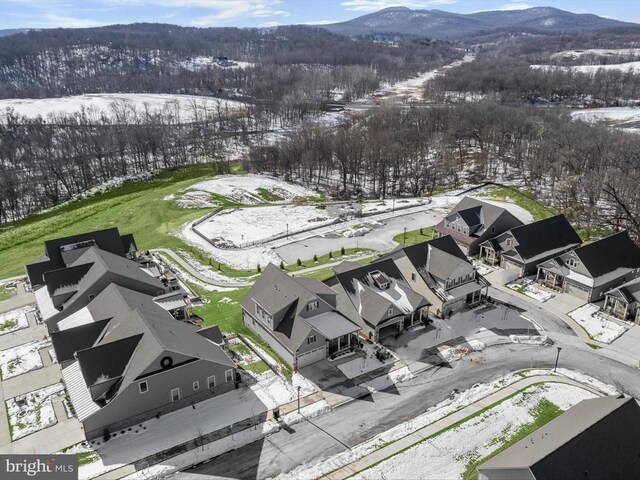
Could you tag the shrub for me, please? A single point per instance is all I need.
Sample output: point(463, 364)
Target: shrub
point(299, 262)
point(342, 251)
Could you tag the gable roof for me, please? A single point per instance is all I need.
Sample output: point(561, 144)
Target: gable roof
point(286, 298)
point(137, 333)
point(370, 302)
point(553, 234)
point(609, 254)
point(61, 252)
point(476, 212)
point(630, 291)
point(598, 436)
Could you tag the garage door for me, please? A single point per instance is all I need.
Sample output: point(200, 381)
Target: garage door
point(507, 265)
point(312, 356)
point(576, 291)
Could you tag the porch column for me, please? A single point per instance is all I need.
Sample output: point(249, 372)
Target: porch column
point(538, 274)
point(606, 301)
point(626, 310)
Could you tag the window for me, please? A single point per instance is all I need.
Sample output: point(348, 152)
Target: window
point(571, 262)
point(493, 229)
point(196, 385)
point(413, 277)
point(509, 242)
point(390, 312)
point(311, 339)
point(143, 387)
point(92, 296)
point(211, 381)
point(228, 375)
point(263, 315)
point(175, 394)
point(313, 305)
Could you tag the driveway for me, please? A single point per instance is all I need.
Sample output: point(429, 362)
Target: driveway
point(22, 298)
point(419, 344)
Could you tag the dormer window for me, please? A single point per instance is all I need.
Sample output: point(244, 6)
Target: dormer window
point(571, 262)
point(313, 305)
point(380, 280)
point(390, 312)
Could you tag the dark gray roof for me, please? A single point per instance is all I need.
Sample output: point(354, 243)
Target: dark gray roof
point(596, 438)
point(108, 240)
point(332, 324)
point(548, 235)
point(212, 333)
point(630, 291)
point(286, 298)
point(371, 303)
point(476, 212)
point(138, 332)
point(609, 254)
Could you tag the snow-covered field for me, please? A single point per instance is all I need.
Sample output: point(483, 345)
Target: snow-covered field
point(447, 454)
point(184, 107)
point(530, 289)
point(21, 359)
point(33, 411)
point(200, 63)
point(616, 116)
point(601, 52)
point(231, 228)
point(591, 69)
point(247, 189)
point(14, 320)
point(598, 326)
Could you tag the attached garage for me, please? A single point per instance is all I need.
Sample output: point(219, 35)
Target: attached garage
point(312, 356)
point(576, 291)
point(511, 266)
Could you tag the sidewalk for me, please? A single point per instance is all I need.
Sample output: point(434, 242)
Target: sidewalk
point(444, 423)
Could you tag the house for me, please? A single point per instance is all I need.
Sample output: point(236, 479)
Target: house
point(62, 252)
point(624, 301)
point(298, 318)
point(588, 272)
point(129, 360)
point(521, 249)
point(377, 298)
point(69, 289)
point(472, 222)
point(441, 272)
point(595, 439)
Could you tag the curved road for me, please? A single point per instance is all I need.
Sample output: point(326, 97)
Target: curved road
point(358, 421)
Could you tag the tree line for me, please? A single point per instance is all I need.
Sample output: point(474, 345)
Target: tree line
point(588, 172)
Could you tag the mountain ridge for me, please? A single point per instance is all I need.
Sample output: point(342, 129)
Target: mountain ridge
point(440, 24)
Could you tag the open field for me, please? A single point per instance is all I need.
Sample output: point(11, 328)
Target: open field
point(110, 104)
point(592, 69)
point(135, 208)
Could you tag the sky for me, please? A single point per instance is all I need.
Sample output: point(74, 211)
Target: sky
point(262, 13)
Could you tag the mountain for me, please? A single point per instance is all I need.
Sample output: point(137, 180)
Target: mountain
point(439, 24)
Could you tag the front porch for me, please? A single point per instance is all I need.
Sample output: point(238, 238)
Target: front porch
point(342, 344)
point(619, 308)
point(550, 276)
point(489, 254)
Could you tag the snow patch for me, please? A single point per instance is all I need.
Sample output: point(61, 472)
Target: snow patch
point(33, 411)
point(599, 327)
point(21, 359)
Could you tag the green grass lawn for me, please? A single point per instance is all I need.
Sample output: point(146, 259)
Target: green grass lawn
point(257, 367)
point(415, 236)
point(5, 294)
point(267, 195)
point(327, 258)
point(522, 198)
point(137, 208)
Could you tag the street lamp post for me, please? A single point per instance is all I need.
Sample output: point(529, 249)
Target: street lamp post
point(298, 398)
point(287, 230)
point(404, 236)
point(557, 357)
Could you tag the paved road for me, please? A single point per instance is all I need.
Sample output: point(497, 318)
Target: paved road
point(360, 420)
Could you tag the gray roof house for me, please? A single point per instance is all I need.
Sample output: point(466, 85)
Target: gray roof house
point(298, 318)
point(472, 221)
point(377, 298)
point(69, 289)
point(588, 272)
point(61, 252)
point(595, 439)
point(522, 248)
point(624, 301)
point(441, 272)
point(130, 360)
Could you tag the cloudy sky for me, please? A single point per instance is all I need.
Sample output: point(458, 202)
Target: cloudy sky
point(259, 13)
